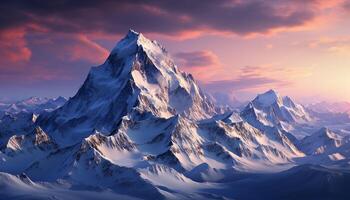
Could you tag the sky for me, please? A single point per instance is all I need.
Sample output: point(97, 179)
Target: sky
point(235, 48)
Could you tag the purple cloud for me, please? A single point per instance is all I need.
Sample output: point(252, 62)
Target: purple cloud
point(156, 16)
point(197, 59)
point(250, 77)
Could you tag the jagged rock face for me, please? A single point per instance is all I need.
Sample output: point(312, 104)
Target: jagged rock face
point(38, 139)
point(138, 75)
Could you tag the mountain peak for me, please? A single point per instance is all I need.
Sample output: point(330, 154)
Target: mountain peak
point(60, 98)
point(134, 42)
point(132, 33)
point(131, 42)
point(272, 91)
point(267, 98)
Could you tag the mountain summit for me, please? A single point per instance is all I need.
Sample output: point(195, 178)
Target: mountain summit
point(267, 98)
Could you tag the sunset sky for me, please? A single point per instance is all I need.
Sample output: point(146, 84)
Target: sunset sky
point(236, 47)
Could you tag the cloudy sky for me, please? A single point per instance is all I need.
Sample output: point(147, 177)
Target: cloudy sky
point(236, 47)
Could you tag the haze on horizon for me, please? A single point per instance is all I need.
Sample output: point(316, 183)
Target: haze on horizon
point(240, 48)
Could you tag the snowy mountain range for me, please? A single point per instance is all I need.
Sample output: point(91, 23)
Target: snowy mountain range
point(139, 128)
point(32, 105)
point(19, 117)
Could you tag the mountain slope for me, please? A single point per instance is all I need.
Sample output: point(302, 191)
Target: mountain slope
point(301, 182)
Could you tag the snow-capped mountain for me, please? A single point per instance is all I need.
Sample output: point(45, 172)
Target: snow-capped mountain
point(272, 110)
point(140, 127)
point(138, 77)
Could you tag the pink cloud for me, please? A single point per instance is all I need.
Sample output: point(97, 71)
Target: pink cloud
point(255, 78)
point(85, 49)
point(13, 46)
point(335, 45)
point(195, 59)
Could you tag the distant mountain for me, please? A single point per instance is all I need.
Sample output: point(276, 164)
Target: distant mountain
point(336, 115)
point(272, 110)
point(33, 105)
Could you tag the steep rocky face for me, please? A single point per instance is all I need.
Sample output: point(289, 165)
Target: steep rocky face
point(137, 76)
point(37, 139)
